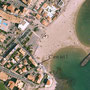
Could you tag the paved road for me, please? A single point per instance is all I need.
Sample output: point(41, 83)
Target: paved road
point(12, 74)
point(18, 62)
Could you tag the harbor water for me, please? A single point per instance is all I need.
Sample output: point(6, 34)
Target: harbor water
point(67, 70)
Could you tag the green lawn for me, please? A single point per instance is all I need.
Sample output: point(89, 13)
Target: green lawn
point(2, 86)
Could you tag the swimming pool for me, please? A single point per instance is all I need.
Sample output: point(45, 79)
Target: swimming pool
point(5, 24)
point(0, 21)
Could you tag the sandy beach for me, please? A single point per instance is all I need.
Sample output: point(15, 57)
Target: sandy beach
point(61, 33)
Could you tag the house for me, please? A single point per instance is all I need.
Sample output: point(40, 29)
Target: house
point(45, 5)
point(11, 8)
point(31, 77)
point(13, 61)
point(44, 14)
point(19, 84)
point(48, 81)
point(23, 25)
point(4, 7)
point(40, 77)
point(11, 85)
point(22, 51)
point(33, 61)
point(1, 51)
point(17, 58)
point(16, 68)
point(9, 65)
point(20, 71)
point(38, 16)
point(24, 69)
point(17, 11)
point(49, 19)
point(2, 37)
point(40, 10)
point(3, 62)
point(28, 2)
point(20, 65)
point(25, 62)
point(44, 22)
point(24, 11)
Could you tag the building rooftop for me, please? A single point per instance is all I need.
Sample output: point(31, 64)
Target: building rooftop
point(31, 77)
point(40, 77)
point(22, 51)
point(44, 14)
point(11, 8)
point(33, 61)
point(45, 5)
point(25, 62)
point(24, 69)
point(27, 1)
point(44, 22)
point(20, 84)
point(20, 65)
point(11, 85)
point(16, 68)
point(38, 16)
point(4, 7)
point(48, 82)
point(40, 10)
point(23, 25)
point(49, 19)
point(3, 76)
point(9, 17)
point(2, 38)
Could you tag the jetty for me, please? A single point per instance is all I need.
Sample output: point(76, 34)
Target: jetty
point(85, 60)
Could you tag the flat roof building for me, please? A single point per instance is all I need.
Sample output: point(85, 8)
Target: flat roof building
point(3, 76)
point(23, 25)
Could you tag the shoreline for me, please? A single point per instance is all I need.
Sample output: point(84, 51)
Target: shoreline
point(63, 27)
point(45, 46)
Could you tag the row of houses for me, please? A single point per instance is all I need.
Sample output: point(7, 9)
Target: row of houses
point(21, 11)
point(10, 82)
point(47, 13)
point(27, 2)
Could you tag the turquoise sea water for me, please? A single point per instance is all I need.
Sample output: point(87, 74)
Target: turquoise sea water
point(66, 67)
point(83, 24)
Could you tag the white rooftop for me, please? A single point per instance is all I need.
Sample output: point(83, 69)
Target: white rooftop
point(23, 25)
point(50, 10)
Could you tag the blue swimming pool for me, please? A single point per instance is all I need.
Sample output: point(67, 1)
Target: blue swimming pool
point(5, 24)
point(0, 21)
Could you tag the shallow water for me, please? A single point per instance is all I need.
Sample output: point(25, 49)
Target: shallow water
point(66, 66)
point(83, 24)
